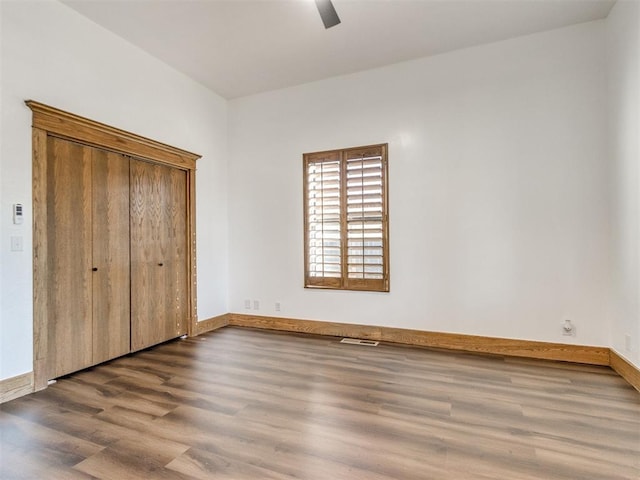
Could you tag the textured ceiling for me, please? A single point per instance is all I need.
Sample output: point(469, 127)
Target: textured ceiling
point(240, 47)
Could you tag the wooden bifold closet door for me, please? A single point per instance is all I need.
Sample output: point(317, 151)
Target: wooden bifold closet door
point(159, 309)
point(113, 242)
point(88, 255)
point(117, 243)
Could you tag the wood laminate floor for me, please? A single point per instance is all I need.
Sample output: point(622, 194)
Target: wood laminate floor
point(249, 404)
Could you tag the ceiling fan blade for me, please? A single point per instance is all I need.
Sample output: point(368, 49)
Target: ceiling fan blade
point(327, 13)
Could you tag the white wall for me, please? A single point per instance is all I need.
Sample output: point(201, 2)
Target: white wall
point(623, 49)
point(498, 189)
point(53, 55)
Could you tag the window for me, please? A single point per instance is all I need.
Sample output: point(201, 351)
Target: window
point(345, 219)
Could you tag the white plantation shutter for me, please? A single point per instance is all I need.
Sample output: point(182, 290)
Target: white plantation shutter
point(346, 227)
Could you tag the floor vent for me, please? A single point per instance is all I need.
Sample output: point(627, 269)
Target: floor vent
point(359, 341)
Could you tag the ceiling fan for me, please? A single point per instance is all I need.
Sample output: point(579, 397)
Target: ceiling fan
point(327, 13)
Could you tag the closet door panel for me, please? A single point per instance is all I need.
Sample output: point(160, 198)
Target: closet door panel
point(147, 301)
point(111, 286)
point(69, 260)
point(158, 281)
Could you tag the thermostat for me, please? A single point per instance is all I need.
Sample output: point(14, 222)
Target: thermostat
point(18, 214)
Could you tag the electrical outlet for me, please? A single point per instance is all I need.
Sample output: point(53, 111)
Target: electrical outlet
point(247, 304)
point(627, 342)
point(256, 304)
point(568, 328)
point(277, 306)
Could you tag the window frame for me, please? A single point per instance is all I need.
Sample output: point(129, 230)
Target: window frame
point(343, 282)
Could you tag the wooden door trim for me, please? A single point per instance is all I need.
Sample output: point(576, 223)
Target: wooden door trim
point(50, 121)
point(192, 283)
point(40, 290)
point(74, 127)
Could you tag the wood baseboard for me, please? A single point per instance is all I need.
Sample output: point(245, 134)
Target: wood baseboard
point(212, 323)
point(451, 341)
point(625, 369)
point(15, 387)
point(20, 385)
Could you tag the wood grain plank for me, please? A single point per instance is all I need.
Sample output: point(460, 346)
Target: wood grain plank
point(204, 465)
point(39, 452)
point(144, 457)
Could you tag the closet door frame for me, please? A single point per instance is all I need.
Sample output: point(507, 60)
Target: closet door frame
point(49, 121)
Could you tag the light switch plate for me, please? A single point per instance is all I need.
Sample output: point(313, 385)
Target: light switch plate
point(16, 244)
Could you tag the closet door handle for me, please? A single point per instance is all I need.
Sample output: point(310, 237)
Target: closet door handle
point(94, 269)
point(160, 264)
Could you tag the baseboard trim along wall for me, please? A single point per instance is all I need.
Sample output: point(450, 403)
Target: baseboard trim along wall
point(625, 369)
point(20, 385)
point(15, 387)
point(450, 341)
point(213, 323)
